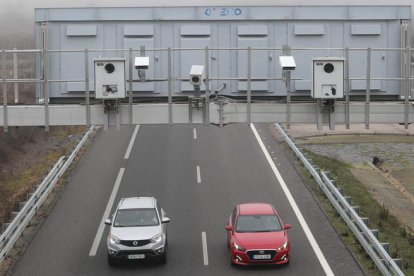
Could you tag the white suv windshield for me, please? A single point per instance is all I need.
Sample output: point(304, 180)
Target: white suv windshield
point(136, 217)
point(258, 223)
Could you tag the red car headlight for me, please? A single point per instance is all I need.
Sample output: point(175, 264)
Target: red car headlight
point(238, 247)
point(283, 246)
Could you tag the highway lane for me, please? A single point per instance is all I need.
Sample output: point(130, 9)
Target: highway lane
point(163, 163)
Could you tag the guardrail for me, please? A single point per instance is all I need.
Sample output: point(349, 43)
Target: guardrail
point(385, 264)
point(14, 230)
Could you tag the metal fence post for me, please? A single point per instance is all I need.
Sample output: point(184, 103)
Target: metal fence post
point(368, 89)
point(5, 123)
point(130, 87)
point(46, 89)
point(347, 88)
point(286, 52)
point(407, 86)
point(15, 76)
point(170, 113)
point(249, 83)
point(87, 103)
point(288, 99)
point(45, 73)
point(207, 95)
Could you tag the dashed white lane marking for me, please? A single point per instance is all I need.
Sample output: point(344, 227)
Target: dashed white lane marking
point(198, 175)
point(195, 133)
point(295, 207)
point(101, 227)
point(131, 142)
point(205, 252)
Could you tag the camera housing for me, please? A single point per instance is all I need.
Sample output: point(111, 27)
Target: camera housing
point(141, 63)
point(197, 75)
point(109, 78)
point(328, 77)
point(287, 63)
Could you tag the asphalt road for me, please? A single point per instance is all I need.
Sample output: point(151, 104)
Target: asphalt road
point(198, 173)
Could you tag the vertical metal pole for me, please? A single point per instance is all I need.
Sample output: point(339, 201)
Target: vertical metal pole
point(368, 89)
point(190, 109)
point(347, 88)
point(404, 44)
point(249, 83)
point(221, 111)
point(130, 87)
point(15, 76)
point(46, 89)
point(287, 74)
point(288, 99)
point(411, 55)
point(5, 122)
point(170, 111)
point(45, 73)
point(407, 87)
point(319, 115)
point(87, 104)
point(42, 58)
point(141, 73)
point(117, 114)
point(207, 95)
point(331, 115)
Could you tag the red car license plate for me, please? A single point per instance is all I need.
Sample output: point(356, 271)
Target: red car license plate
point(261, 257)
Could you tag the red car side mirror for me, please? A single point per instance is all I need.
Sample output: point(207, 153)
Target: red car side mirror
point(287, 226)
point(229, 228)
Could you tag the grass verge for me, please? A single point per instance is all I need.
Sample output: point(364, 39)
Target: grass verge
point(400, 240)
point(15, 186)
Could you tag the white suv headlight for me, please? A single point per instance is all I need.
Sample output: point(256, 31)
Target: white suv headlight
point(157, 238)
point(113, 239)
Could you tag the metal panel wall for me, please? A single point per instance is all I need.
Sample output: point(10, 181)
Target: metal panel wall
point(307, 35)
point(367, 34)
point(225, 27)
point(74, 36)
point(255, 36)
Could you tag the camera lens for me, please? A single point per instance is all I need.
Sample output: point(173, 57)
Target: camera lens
point(328, 68)
point(195, 79)
point(109, 68)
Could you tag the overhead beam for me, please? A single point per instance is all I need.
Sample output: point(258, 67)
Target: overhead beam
point(33, 115)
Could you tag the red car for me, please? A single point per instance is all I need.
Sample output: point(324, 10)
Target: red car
point(257, 235)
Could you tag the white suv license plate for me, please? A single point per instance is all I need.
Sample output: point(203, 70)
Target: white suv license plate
point(262, 257)
point(136, 257)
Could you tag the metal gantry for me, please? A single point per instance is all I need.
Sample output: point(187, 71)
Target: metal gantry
point(228, 110)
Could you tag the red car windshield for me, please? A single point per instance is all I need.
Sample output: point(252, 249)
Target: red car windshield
point(258, 223)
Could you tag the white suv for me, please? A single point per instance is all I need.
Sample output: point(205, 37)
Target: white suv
point(138, 231)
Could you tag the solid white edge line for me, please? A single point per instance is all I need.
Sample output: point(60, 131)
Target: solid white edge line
point(131, 143)
point(198, 175)
point(106, 214)
point(205, 252)
point(195, 133)
point(295, 207)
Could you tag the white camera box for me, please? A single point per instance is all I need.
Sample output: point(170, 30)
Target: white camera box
point(109, 78)
point(328, 77)
point(197, 74)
